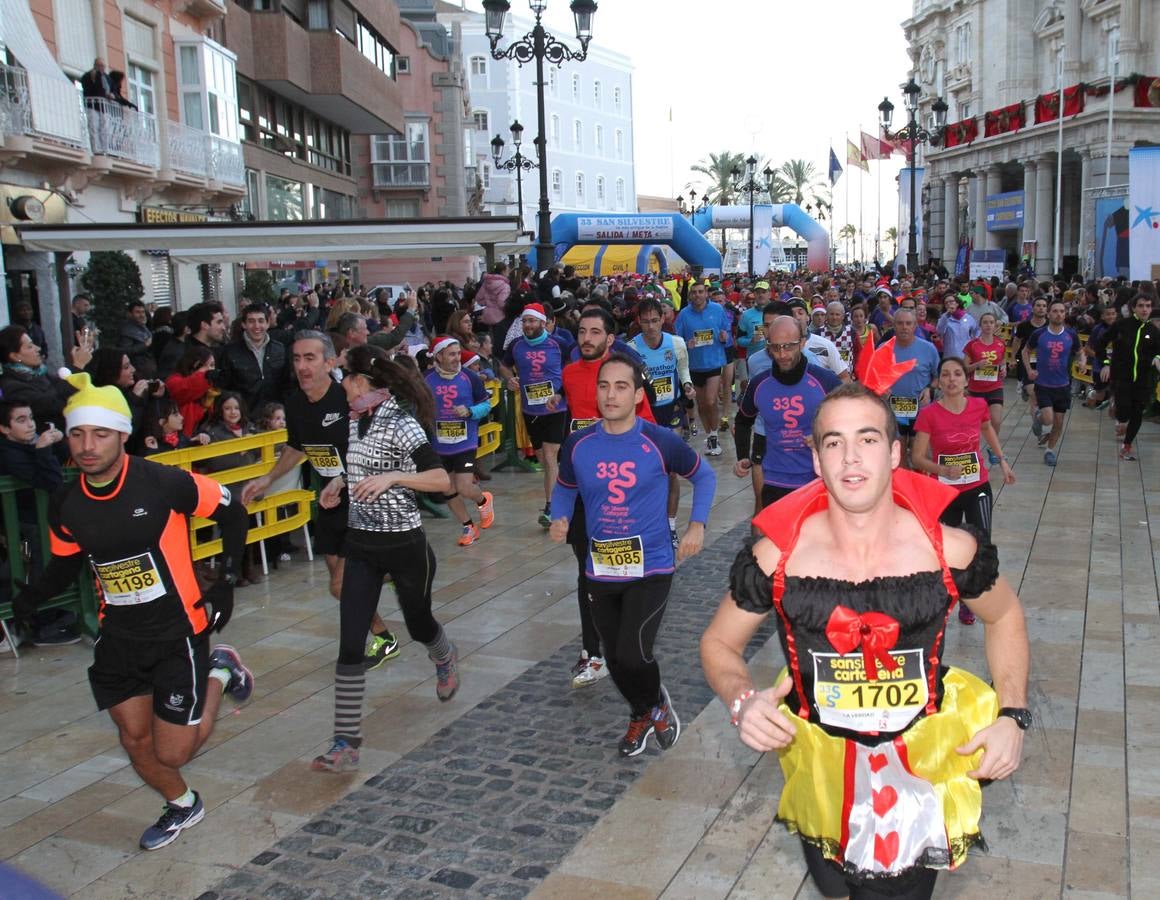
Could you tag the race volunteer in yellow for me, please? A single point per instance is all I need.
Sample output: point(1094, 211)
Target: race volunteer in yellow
point(317, 430)
point(153, 669)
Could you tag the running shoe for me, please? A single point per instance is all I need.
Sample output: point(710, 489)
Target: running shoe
point(965, 615)
point(639, 728)
point(545, 518)
point(1036, 425)
point(712, 446)
point(487, 511)
point(54, 635)
point(173, 821)
point(666, 723)
point(694, 428)
point(686, 434)
point(1126, 453)
point(381, 648)
point(1049, 458)
point(470, 535)
point(1104, 404)
point(241, 685)
point(341, 757)
point(447, 676)
point(724, 424)
point(594, 669)
point(1042, 442)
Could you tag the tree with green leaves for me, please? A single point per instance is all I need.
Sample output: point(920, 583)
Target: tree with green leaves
point(892, 236)
point(718, 169)
point(801, 176)
point(259, 287)
point(112, 281)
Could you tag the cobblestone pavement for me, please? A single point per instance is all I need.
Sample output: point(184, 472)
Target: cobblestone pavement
point(492, 803)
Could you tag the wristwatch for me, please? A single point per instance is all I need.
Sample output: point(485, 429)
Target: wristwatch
point(1021, 716)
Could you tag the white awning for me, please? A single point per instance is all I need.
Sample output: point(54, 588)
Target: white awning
point(263, 241)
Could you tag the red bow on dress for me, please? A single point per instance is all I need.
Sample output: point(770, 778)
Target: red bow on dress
point(876, 633)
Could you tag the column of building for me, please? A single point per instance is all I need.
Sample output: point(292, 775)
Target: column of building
point(1045, 214)
point(950, 220)
point(1029, 200)
point(993, 186)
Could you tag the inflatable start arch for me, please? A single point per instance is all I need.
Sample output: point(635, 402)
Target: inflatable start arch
point(671, 229)
point(766, 217)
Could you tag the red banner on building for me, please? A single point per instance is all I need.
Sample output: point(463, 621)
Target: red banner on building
point(1047, 105)
point(963, 132)
point(1148, 91)
point(1004, 120)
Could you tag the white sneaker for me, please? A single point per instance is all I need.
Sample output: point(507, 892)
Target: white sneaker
point(594, 669)
point(713, 446)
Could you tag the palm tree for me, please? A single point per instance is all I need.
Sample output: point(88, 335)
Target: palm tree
point(849, 233)
point(718, 168)
point(801, 175)
point(892, 236)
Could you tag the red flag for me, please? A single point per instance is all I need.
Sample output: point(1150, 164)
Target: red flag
point(1004, 120)
point(963, 132)
point(872, 148)
point(1047, 105)
point(1147, 92)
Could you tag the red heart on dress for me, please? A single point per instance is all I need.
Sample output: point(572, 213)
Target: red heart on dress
point(886, 848)
point(878, 762)
point(884, 800)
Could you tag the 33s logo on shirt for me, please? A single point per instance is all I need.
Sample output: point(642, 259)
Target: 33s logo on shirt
point(620, 476)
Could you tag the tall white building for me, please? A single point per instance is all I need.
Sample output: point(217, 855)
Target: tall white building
point(588, 123)
point(998, 57)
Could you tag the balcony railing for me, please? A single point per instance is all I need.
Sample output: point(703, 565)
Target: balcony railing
point(203, 155)
point(401, 174)
point(187, 149)
point(35, 105)
point(122, 132)
point(225, 160)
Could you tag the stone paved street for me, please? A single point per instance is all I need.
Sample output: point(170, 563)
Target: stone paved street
point(514, 788)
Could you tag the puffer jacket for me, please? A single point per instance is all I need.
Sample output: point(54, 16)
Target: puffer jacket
point(492, 294)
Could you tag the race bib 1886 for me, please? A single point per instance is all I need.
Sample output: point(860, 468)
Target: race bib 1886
point(325, 459)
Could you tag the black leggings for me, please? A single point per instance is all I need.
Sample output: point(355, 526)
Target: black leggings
point(1131, 400)
point(628, 616)
point(411, 566)
point(831, 881)
point(974, 506)
point(578, 538)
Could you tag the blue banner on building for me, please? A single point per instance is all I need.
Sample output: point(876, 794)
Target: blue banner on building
point(1005, 211)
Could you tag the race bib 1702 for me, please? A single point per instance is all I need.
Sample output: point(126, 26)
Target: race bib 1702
point(846, 698)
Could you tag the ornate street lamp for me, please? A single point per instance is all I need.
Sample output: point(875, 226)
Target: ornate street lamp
point(913, 135)
point(537, 45)
point(517, 163)
point(752, 187)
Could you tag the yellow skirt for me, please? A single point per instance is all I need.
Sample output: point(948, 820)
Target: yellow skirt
point(907, 802)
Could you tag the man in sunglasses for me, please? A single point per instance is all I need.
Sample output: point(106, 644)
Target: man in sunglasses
point(786, 397)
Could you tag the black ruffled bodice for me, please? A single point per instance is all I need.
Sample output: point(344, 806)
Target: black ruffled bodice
point(919, 603)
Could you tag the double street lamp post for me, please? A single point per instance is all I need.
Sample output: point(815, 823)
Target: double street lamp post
point(517, 163)
point(539, 46)
point(752, 187)
point(913, 135)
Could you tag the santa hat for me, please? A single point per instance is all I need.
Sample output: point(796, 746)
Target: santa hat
point(535, 311)
point(101, 407)
point(442, 343)
point(466, 358)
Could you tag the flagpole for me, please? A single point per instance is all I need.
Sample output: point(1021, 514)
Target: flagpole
point(1112, 65)
point(1057, 256)
point(849, 241)
point(878, 231)
point(861, 235)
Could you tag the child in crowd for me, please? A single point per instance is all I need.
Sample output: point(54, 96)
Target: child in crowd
point(167, 429)
point(272, 417)
point(228, 420)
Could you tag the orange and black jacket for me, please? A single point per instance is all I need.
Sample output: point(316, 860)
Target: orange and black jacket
point(134, 533)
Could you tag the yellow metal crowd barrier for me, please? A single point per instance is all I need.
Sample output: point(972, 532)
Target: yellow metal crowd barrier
point(296, 502)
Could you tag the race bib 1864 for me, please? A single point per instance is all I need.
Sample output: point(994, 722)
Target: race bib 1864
point(451, 431)
point(703, 338)
point(847, 699)
point(618, 557)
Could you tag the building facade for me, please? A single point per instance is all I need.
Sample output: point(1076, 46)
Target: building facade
point(422, 171)
point(588, 124)
point(1000, 64)
point(173, 154)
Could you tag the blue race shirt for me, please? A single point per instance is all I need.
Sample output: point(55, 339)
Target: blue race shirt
point(787, 411)
point(540, 370)
point(702, 333)
point(564, 338)
point(455, 434)
point(1054, 354)
point(904, 392)
point(623, 482)
point(759, 361)
point(750, 333)
point(661, 364)
point(618, 346)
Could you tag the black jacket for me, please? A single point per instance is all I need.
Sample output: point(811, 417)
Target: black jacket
point(37, 467)
point(45, 394)
point(1129, 346)
point(257, 385)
